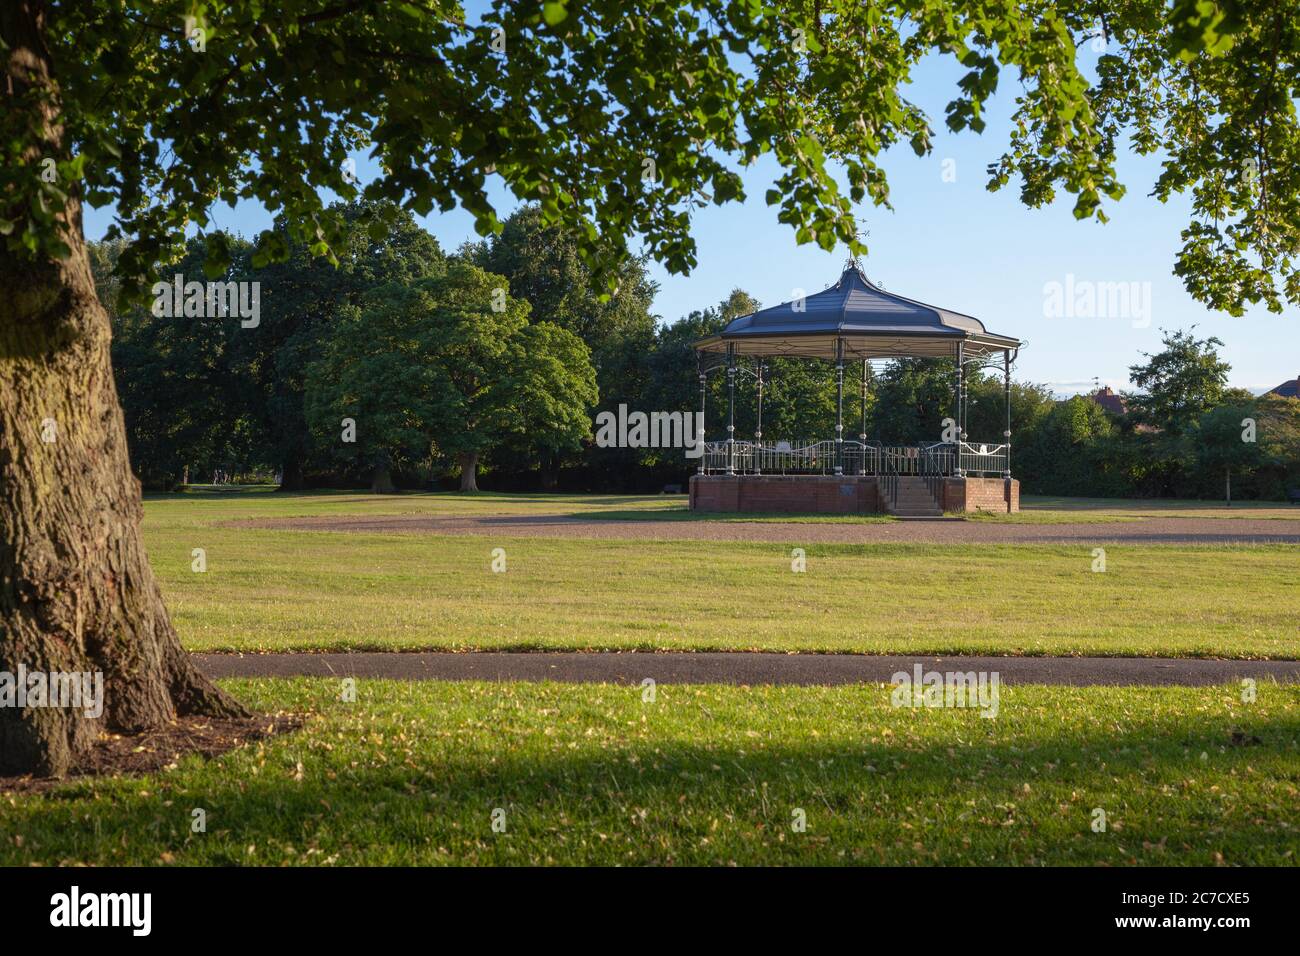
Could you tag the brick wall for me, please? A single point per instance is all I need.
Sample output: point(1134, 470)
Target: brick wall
point(805, 494)
point(979, 494)
point(850, 494)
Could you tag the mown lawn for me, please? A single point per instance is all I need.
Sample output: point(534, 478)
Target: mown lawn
point(412, 772)
point(274, 590)
point(1039, 509)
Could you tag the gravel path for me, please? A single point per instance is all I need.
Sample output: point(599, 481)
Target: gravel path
point(1142, 531)
point(740, 668)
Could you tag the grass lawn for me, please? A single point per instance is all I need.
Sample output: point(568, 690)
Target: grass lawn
point(412, 772)
point(274, 590)
point(1040, 509)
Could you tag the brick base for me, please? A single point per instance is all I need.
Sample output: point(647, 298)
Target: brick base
point(979, 494)
point(796, 494)
point(828, 494)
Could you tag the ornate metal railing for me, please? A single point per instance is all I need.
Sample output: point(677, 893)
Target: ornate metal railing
point(770, 458)
point(932, 462)
point(986, 460)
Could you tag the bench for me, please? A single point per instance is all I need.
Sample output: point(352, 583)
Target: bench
point(1293, 495)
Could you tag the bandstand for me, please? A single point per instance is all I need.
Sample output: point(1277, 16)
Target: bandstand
point(856, 321)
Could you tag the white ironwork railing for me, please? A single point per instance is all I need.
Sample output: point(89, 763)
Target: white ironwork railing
point(771, 458)
point(988, 460)
point(931, 462)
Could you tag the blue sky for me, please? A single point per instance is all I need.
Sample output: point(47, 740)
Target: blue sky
point(954, 244)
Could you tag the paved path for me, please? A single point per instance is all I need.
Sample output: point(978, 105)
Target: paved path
point(1141, 531)
point(739, 668)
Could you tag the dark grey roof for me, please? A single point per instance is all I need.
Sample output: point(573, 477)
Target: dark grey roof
point(1289, 389)
point(871, 321)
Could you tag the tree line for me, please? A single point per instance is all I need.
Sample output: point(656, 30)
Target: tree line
point(408, 367)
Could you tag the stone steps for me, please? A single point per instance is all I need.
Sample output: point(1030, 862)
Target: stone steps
point(914, 500)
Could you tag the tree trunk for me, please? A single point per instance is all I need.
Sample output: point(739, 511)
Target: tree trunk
point(291, 473)
point(550, 470)
point(381, 481)
point(468, 470)
point(76, 590)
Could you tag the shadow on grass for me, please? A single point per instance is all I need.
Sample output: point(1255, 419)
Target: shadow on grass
point(978, 796)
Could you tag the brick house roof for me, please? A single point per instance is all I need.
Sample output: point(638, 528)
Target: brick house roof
point(1289, 389)
point(1107, 399)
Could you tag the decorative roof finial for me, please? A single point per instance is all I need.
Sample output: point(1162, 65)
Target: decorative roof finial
point(859, 231)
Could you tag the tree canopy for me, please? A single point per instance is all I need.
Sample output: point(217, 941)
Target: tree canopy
point(447, 366)
point(1181, 382)
point(621, 119)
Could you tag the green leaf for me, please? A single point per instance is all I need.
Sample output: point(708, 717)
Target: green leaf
point(554, 12)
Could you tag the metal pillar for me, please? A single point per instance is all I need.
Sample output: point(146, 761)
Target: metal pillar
point(961, 363)
point(966, 386)
point(965, 401)
point(704, 391)
point(839, 406)
point(731, 409)
point(862, 435)
point(758, 430)
point(1006, 392)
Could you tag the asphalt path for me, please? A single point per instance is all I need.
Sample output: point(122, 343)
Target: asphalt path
point(1175, 531)
point(740, 668)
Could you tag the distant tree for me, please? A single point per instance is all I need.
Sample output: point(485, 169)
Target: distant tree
point(1179, 383)
point(554, 388)
point(986, 417)
point(1072, 450)
point(913, 396)
point(1278, 432)
point(544, 266)
point(1220, 440)
point(185, 397)
point(1252, 447)
point(371, 393)
point(303, 296)
point(446, 366)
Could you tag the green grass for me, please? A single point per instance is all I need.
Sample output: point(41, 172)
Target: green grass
point(411, 773)
point(1087, 510)
point(274, 590)
point(1045, 516)
point(262, 501)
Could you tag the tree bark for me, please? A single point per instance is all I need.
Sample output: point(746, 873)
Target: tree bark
point(381, 481)
point(468, 470)
point(550, 470)
point(76, 590)
point(291, 478)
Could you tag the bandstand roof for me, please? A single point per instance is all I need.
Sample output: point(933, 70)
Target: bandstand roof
point(872, 322)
